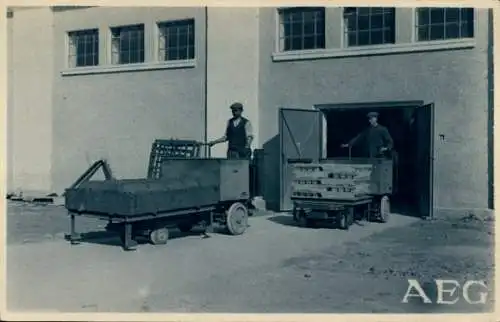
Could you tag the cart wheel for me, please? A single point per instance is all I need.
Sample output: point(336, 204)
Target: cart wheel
point(306, 222)
point(185, 227)
point(158, 236)
point(237, 219)
point(385, 209)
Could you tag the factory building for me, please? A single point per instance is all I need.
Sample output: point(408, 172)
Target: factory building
point(93, 82)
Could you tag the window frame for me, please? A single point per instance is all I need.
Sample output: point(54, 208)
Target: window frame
point(335, 33)
point(345, 41)
point(415, 40)
point(68, 44)
point(158, 34)
point(279, 36)
point(110, 38)
point(151, 61)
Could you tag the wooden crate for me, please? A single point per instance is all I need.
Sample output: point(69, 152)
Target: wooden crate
point(377, 173)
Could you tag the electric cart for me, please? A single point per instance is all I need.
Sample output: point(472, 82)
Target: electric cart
point(182, 190)
point(341, 208)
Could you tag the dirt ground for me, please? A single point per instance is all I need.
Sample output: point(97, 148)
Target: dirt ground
point(275, 267)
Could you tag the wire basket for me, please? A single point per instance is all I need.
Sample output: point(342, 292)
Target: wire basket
point(171, 149)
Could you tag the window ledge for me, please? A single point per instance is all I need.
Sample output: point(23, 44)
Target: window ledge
point(129, 67)
point(374, 50)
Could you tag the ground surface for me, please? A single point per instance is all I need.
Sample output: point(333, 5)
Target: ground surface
point(275, 267)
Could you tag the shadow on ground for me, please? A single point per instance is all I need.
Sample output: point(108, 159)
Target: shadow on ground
point(287, 220)
point(108, 238)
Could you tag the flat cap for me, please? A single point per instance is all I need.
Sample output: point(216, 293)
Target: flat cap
point(236, 106)
point(372, 114)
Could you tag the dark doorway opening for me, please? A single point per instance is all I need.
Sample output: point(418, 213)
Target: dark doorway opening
point(345, 123)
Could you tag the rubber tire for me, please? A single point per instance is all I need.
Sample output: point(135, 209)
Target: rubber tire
point(306, 222)
point(159, 236)
point(237, 218)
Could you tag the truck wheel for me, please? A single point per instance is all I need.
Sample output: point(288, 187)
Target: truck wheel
point(306, 222)
point(237, 218)
point(158, 236)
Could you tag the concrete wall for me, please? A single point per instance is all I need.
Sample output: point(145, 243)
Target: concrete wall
point(455, 80)
point(30, 71)
point(233, 57)
point(118, 115)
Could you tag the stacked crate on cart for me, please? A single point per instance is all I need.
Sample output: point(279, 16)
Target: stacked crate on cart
point(331, 181)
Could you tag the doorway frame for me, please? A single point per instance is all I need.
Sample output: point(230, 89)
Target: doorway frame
point(364, 105)
point(377, 105)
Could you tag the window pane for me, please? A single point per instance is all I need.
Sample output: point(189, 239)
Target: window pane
point(389, 20)
point(302, 28)
point(377, 21)
point(437, 15)
point(288, 44)
point(309, 28)
point(452, 14)
point(296, 29)
point(297, 43)
point(320, 26)
point(172, 40)
point(320, 41)
point(363, 38)
point(309, 42)
point(352, 39)
point(467, 30)
point(309, 16)
point(423, 33)
point(295, 17)
point(377, 37)
point(363, 23)
point(363, 11)
point(351, 23)
point(467, 14)
point(183, 39)
point(452, 30)
point(389, 36)
point(423, 16)
point(437, 32)
point(172, 54)
point(377, 11)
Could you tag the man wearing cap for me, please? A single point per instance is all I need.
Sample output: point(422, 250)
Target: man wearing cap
point(238, 135)
point(376, 138)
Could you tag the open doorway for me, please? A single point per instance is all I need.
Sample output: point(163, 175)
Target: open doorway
point(345, 123)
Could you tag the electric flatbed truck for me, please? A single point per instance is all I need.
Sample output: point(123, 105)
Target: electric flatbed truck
point(181, 191)
point(321, 203)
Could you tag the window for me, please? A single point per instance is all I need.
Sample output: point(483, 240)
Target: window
point(83, 48)
point(127, 44)
point(364, 26)
point(444, 23)
point(176, 40)
point(302, 28)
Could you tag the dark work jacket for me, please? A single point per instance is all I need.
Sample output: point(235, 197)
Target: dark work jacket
point(373, 139)
point(236, 135)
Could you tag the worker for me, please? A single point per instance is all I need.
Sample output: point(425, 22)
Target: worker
point(376, 138)
point(238, 134)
